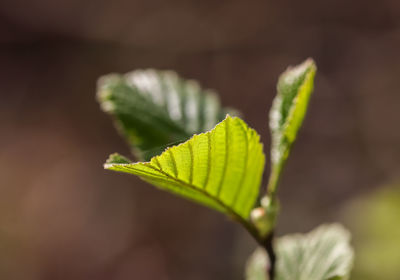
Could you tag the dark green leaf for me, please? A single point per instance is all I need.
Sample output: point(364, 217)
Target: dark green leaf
point(157, 109)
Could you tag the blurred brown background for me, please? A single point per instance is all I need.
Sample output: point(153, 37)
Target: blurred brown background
point(63, 217)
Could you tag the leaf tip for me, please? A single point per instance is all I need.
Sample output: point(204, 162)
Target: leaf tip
point(307, 65)
point(115, 158)
point(228, 116)
point(310, 62)
point(295, 72)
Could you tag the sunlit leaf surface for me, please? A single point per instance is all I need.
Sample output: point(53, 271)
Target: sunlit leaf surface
point(221, 169)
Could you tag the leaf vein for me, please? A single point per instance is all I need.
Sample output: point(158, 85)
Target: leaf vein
point(190, 147)
point(173, 163)
point(209, 161)
point(221, 183)
point(246, 159)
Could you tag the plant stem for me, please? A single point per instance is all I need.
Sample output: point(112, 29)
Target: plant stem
point(274, 178)
point(268, 245)
point(272, 187)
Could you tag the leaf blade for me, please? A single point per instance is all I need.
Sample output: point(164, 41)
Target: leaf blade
point(289, 107)
point(157, 109)
point(215, 168)
point(322, 254)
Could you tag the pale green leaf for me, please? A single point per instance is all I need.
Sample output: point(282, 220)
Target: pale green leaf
point(294, 88)
point(156, 109)
point(221, 169)
point(323, 254)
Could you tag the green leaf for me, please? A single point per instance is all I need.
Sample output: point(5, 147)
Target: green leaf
point(323, 254)
point(294, 88)
point(221, 169)
point(156, 109)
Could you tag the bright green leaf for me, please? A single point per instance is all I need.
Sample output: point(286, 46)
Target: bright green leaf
point(221, 169)
point(323, 254)
point(156, 109)
point(294, 88)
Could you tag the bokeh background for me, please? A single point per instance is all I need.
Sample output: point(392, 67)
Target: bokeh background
point(63, 217)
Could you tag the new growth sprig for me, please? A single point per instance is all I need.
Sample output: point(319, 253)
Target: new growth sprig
point(191, 146)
